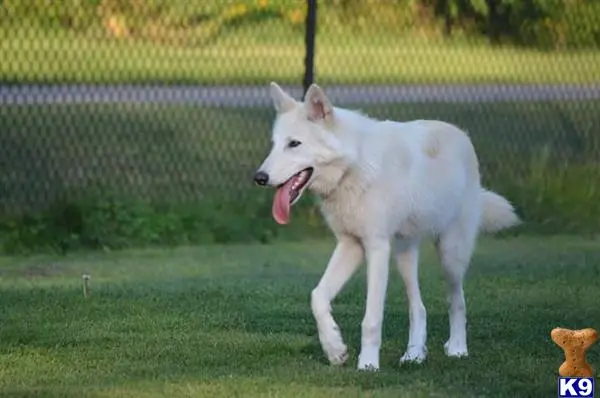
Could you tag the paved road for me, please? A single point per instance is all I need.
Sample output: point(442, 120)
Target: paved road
point(249, 96)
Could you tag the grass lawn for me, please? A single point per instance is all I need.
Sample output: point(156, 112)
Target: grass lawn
point(259, 54)
point(225, 321)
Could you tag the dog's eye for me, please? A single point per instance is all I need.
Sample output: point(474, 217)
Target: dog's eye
point(294, 144)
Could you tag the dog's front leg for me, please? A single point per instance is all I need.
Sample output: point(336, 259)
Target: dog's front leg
point(378, 257)
point(343, 263)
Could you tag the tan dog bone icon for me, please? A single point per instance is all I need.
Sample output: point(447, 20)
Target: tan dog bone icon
point(575, 344)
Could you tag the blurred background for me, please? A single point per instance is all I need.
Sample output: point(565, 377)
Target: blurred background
point(127, 123)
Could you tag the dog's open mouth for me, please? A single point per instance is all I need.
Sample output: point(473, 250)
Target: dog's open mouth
point(288, 193)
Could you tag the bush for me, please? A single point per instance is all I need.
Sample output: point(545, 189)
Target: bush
point(188, 22)
point(395, 16)
point(550, 198)
point(114, 176)
point(534, 23)
point(549, 24)
point(109, 222)
point(555, 24)
point(71, 14)
point(582, 25)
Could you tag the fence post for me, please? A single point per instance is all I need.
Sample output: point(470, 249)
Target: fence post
point(310, 33)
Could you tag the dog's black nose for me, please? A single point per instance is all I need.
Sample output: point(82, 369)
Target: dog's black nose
point(261, 178)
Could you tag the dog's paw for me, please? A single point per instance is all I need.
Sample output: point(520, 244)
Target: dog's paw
point(368, 359)
point(334, 347)
point(456, 350)
point(414, 355)
point(338, 355)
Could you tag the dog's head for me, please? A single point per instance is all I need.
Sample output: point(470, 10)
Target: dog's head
point(304, 143)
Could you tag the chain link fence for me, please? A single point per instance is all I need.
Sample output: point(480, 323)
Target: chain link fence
point(167, 102)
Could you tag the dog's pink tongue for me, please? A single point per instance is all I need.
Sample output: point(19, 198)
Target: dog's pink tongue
point(281, 203)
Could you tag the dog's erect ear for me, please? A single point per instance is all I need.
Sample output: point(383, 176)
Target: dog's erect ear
point(318, 106)
point(281, 100)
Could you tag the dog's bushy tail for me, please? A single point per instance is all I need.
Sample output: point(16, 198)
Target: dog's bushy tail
point(498, 213)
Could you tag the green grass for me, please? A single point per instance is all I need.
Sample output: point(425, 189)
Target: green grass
point(235, 320)
point(273, 51)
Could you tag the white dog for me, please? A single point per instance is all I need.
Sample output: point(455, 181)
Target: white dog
point(383, 186)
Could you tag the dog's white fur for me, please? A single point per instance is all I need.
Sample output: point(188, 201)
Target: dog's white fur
point(384, 186)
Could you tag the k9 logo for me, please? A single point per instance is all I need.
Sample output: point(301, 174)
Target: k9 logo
point(572, 387)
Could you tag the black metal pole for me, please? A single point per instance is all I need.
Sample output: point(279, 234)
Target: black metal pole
point(309, 59)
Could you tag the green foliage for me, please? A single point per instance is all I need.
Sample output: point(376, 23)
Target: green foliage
point(581, 25)
point(535, 23)
point(146, 175)
point(391, 16)
point(107, 222)
point(71, 14)
point(555, 198)
point(551, 198)
point(172, 175)
point(176, 22)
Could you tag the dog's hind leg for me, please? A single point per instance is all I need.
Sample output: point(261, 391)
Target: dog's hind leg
point(455, 248)
point(346, 258)
point(407, 260)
